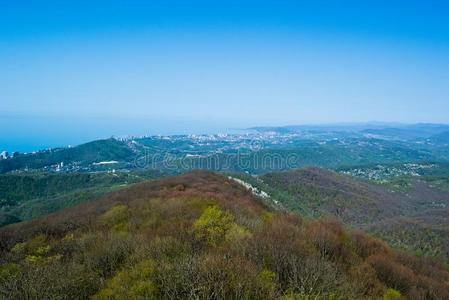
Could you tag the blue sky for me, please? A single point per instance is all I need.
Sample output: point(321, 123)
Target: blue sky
point(71, 71)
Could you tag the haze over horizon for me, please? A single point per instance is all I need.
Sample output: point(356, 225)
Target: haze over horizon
point(75, 71)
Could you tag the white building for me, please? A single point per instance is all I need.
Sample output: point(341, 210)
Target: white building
point(4, 155)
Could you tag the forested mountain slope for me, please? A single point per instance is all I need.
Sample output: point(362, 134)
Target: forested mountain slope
point(202, 236)
point(24, 196)
point(410, 213)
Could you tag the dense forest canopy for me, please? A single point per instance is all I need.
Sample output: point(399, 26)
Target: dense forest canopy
point(202, 235)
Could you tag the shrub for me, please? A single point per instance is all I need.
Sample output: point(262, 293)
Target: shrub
point(106, 254)
point(134, 283)
point(52, 280)
point(165, 248)
point(391, 294)
point(116, 218)
point(215, 276)
point(268, 280)
point(8, 271)
point(237, 233)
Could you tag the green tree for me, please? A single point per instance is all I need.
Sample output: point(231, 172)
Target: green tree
point(391, 294)
point(213, 225)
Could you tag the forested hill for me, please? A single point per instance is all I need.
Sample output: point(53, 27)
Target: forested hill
point(77, 157)
point(202, 236)
point(24, 196)
point(407, 211)
point(319, 192)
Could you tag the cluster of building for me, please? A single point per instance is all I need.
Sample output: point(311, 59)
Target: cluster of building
point(5, 154)
point(383, 172)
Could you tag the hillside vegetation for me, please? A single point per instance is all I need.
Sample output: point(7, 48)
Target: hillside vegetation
point(24, 196)
point(409, 213)
point(95, 151)
point(202, 236)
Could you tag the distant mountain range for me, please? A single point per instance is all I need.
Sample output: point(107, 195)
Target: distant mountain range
point(386, 130)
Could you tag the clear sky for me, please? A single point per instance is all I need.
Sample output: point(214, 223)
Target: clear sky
point(71, 71)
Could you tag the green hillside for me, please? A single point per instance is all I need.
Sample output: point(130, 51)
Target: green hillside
point(25, 196)
point(96, 151)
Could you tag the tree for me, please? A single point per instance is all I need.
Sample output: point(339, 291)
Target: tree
point(213, 225)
